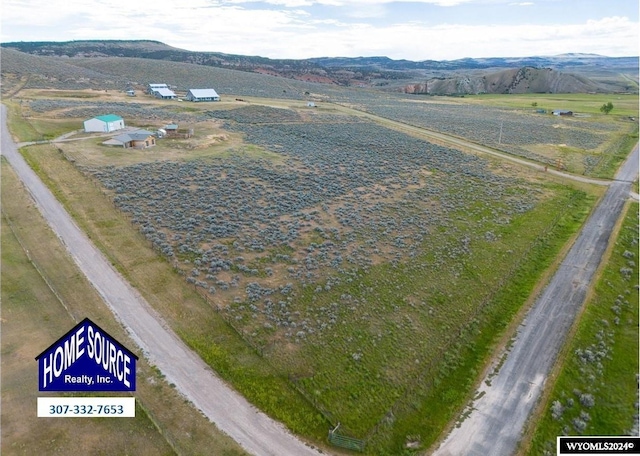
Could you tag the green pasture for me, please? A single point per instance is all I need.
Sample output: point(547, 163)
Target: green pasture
point(20, 127)
point(414, 350)
point(580, 103)
point(36, 128)
point(596, 390)
point(50, 129)
point(616, 153)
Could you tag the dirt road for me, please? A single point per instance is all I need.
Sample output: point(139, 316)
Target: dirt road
point(252, 429)
point(498, 417)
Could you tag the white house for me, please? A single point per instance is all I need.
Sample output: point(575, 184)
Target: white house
point(202, 95)
point(104, 124)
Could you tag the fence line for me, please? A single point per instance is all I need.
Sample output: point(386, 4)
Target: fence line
point(35, 265)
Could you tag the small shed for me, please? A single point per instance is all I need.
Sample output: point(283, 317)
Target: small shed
point(171, 129)
point(202, 95)
point(104, 124)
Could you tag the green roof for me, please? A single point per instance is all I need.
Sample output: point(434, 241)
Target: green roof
point(109, 118)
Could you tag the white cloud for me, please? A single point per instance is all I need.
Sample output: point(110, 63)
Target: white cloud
point(351, 3)
point(609, 36)
point(285, 3)
point(292, 32)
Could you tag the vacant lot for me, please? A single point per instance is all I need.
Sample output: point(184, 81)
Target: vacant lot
point(44, 295)
point(359, 263)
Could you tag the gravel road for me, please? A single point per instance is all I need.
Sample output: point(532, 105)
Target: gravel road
point(253, 430)
point(495, 425)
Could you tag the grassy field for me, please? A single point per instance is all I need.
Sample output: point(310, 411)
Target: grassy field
point(19, 126)
point(44, 295)
point(580, 103)
point(398, 346)
point(596, 390)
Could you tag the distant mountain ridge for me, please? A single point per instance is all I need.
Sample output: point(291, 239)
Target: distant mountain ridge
point(557, 62)
point(438, 77)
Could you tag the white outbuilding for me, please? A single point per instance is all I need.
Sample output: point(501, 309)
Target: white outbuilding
point(104, 124)
point(202, 95)
point(165, 94)
point(153, 87)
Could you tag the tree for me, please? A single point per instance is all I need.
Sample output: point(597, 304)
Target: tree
point(606, 108)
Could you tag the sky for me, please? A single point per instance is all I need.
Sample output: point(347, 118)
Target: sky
point(297, 29)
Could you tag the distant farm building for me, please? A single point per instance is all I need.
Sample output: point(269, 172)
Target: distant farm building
point(139, 139)
point(562, 112)
point(202, 95)
point(165, 94)
point(104, 124)
point(153, 87)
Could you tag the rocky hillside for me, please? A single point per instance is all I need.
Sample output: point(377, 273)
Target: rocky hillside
point(520, 80)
